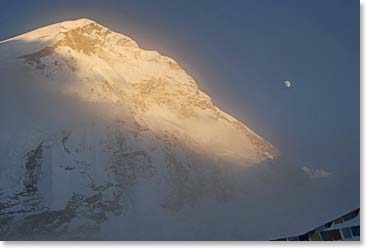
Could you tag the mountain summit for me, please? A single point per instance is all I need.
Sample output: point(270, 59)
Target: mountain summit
point(101, 139)
point(104, 66)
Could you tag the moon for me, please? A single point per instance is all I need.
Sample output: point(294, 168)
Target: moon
point(288, 83)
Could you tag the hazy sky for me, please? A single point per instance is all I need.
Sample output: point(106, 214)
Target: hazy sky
point(240, 53)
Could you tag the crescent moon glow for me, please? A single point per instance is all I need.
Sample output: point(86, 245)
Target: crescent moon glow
point(288, 83)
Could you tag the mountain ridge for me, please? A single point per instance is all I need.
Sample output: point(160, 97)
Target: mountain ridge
point(85, 38)
point(106, 140)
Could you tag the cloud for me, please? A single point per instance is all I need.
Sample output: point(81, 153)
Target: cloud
point(316, 173)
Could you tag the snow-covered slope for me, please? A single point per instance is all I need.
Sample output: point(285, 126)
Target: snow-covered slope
point(87, 59)
point(101, 139)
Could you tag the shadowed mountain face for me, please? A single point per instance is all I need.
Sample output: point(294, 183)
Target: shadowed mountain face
point(104, 140)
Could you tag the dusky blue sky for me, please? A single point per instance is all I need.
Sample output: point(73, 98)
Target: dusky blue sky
point(240, 52)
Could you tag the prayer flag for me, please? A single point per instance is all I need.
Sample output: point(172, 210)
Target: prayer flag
point(347, 233)
point(326, 236)
point(355, 231)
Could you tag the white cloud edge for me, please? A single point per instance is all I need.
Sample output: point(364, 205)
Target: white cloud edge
point(316, 173)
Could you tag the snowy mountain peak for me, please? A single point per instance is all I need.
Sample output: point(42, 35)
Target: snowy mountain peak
point(78, 22)
point(99, 135)
point(84, 58)
point(72, 24)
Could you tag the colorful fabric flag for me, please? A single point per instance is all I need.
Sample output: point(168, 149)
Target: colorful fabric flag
point(320, 232)
point(338, 221)
point(327, 225)
point(356, 212)
point(326, 236)
point(303, 237)
point(315, 236)
point(348, 216)
point(347, 233)
point(355, 231)
point(336, 234)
